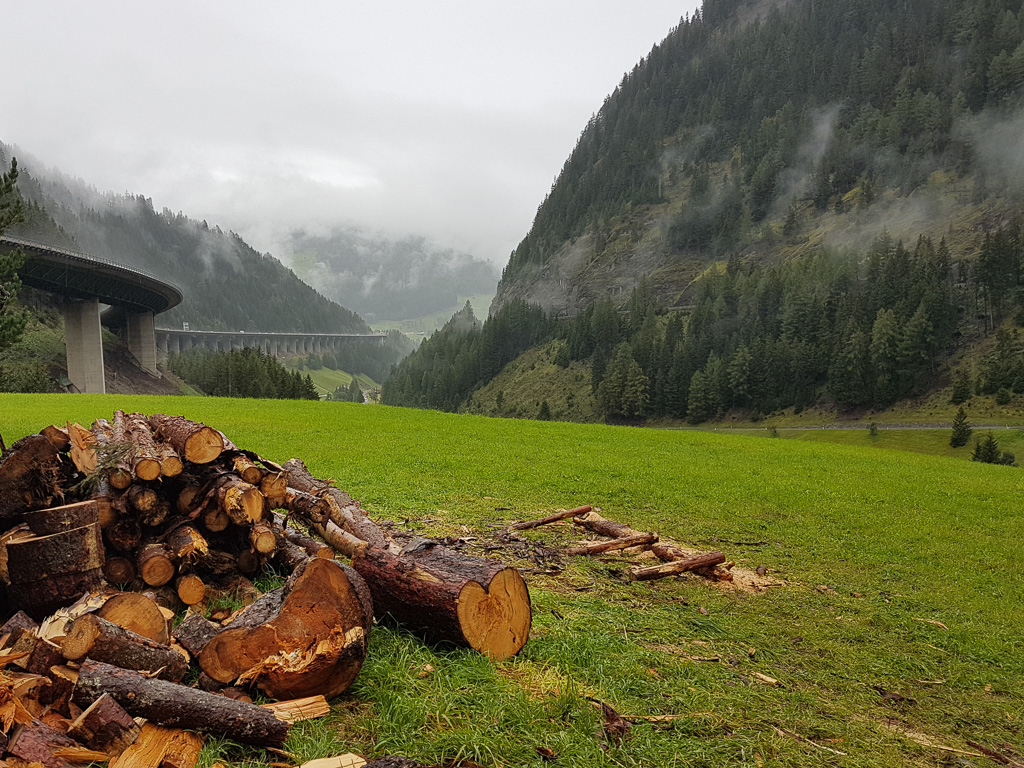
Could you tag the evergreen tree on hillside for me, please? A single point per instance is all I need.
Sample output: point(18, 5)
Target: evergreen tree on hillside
point(961, 429)
point(12, 320)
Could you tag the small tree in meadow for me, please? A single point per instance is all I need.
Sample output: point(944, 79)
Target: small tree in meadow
point(961, 429)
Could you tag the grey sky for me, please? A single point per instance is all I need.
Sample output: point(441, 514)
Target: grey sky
point(447, 119)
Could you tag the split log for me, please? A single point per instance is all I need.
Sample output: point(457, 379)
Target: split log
point(57, 519)
point(676, 567)
point(155, 564)
point(452, 597)
point(175, 705)
point(187, 545)
point(183, 748)
point(146, 459)
point(194, 442)
point(57, 695)
point(637, 540)
point(32, 476)
point(102, 640)
point(346, 513)
point(296, 710)
point(138, 613)
point(36, 743)
point(308, 637)
point(14, 534)
point(563, 515)
point(105, 726)
point(58, 436)
point(83, 448)
point(194, 632)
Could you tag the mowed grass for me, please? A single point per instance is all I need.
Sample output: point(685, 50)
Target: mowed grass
point(876, 549)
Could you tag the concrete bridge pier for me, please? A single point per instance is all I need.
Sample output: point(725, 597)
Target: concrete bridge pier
point(142, 340)
point(84, 339)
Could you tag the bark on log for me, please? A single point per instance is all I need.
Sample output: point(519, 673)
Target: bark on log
point(290, 555)
point(345, 511)
point(311, 546)
point(171, 464)
point(18, 621)
point(187, 545)
point(105, 726)
point(175, 705)
point(594, 522)
point(242, 502)
point(36, 743)
point(56, 519)
point(124, 536)
point(39, 557)
point(155, 564)
point(119, 570)
point(111, 452)
point(102, 640)
point(194, 632)
point(146, 459)
point(306, 638)
point(189, 497)
point(637, 540)
point(194, 442)
point(44, 656)
point(42, 597)
point(246, 469)
point(32, 476)
point(142, 498)
point(136, 612)
point(675, 567)
point(449, 596)
point(563, 515)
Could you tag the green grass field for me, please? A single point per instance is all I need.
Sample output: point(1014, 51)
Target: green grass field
point(418, 327)
point(875, 549)
point(326, 380)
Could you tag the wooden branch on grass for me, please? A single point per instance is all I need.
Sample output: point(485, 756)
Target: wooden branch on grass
point(676, 567)
point(637, 540)
point(563, 515)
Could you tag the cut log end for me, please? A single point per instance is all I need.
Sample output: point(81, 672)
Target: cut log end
point(496, 621)
point(204, 445)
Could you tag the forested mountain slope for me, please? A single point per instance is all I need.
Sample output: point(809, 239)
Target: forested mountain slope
point(785, 204)
point(226, 284)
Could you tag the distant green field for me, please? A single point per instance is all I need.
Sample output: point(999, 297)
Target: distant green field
point(327, 380)
point(873, 550)
point(418, 327)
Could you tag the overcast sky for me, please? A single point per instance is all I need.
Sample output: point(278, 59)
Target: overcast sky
point(448, 119)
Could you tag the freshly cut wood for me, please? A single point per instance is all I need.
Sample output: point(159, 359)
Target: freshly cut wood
point(138, 613)
point(57, 695)
point(175, 705)
point(36, 743)
point(83, 448)
point(32, 476)
point(195, 631)
point(108, 506)
point(563, 515)
point(274, 485)
point(668, 553)
point(105, 726)
point(194, 442)
point(295, 710)
point(190, 588)
point(306, 638)
point(38, 557)
point(56, 519)
point(262, 538)
point(58, 436)
point(119, 570)
point(189, 497)
point(187, 545)
point(637, 540)
point(102, 640)
point(171, 464)
point(311, 546)
point(112, 450)
point(15, 624)
point(242, 502)
point(160, 747)
point(215, 519)
point(155, 564)
point(448, 596)
point(146, 460)
point(676, 567)
point(247, 469)
point(17, 532)
point(345, 511)
point(183, 748)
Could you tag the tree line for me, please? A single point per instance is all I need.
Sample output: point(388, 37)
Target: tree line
point(247, 372)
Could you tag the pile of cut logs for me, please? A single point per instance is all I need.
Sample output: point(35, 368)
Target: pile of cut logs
point(112, 532)
point(622, 538)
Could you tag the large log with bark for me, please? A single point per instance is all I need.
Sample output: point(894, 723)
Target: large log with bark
point(96, 638)
point(175, 705)
point(146, 458)
point(105, 726)
point(194, 442)
point(32, 476)
point(450, 597)
point(306, 638)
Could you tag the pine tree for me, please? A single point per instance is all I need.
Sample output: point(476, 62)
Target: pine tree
point(987, 450)
point(12, 319)
point(961, 429)
point(355, 394)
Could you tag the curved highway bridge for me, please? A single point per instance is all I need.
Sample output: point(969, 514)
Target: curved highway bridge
point(85, 283)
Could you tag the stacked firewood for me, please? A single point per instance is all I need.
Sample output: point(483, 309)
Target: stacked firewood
point(114, 530)
point(620, 537)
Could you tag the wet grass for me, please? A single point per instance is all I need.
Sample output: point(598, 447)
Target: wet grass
point(877, 549)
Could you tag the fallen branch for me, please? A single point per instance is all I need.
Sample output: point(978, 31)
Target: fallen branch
point(676, 567)
point(563, 515)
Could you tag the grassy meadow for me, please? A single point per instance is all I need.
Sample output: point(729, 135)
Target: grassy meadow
point(893, 636)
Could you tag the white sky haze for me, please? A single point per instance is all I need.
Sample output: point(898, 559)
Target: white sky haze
point(447, 119)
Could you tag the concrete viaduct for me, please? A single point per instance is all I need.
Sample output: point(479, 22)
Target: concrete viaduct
point(86, 284)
